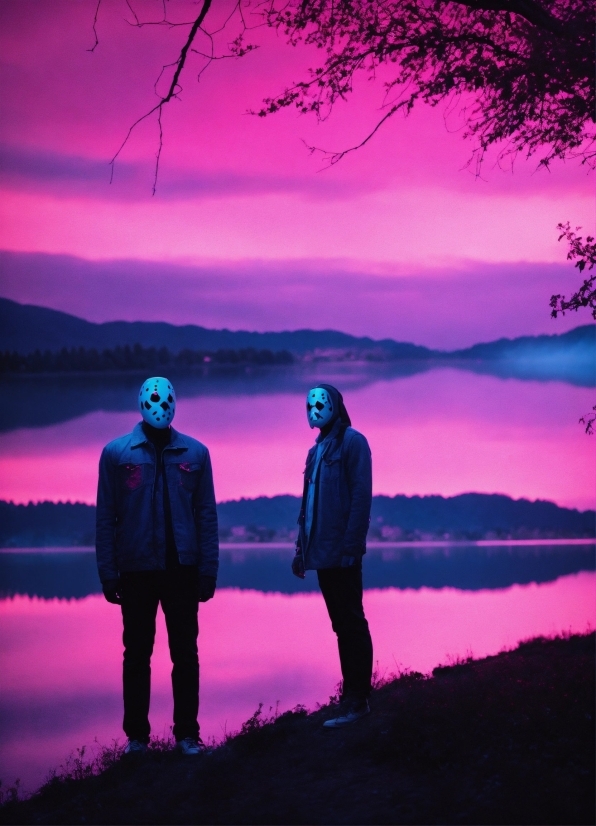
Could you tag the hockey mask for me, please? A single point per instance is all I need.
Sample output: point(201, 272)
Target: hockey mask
point(157, 402)
point(319, 407)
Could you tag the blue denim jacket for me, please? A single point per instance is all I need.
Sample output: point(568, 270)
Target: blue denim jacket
point(130, 526)
point(343, 499)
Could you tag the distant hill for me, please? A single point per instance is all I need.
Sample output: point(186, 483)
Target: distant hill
point(25, 328)
point(265, 519)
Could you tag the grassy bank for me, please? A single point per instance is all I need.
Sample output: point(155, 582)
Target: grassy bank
point(505, 739)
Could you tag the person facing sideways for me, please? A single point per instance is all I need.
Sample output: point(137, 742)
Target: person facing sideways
point(157, 543)
point(333, 524)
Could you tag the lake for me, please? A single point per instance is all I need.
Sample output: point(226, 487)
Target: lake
point(60, 642)
point(266, 637)
point(443, 431)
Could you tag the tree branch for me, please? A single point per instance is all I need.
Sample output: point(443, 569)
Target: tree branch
point(531, 11)
point(96, 44)
point(172, 92)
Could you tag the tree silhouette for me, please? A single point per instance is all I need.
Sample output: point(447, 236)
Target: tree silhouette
point(584, 255)
point(520, 73)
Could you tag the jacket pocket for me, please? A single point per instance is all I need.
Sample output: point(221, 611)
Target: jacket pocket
point(131, 476)
point(188, 475)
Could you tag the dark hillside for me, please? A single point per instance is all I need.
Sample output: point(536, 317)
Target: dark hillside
point(504, 740)
point(25, 328)
point(265, 519)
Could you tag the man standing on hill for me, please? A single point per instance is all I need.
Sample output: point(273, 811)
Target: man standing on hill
point(157, 542)
point(333, 524)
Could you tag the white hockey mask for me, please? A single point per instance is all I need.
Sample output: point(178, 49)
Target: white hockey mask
point(319, 407)
point(157, 402)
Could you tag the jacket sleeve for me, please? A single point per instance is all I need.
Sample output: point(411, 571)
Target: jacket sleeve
point(206, 522)
point(105, 519)
point(358, 466)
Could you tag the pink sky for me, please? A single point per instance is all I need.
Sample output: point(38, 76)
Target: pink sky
point(241, 196)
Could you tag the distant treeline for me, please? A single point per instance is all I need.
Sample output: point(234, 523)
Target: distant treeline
point(137, 357)
point(470, 516)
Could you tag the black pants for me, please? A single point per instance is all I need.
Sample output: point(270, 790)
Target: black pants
point(342, 591)
point(142, 592)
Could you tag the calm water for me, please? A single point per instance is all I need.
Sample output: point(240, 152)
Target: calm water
point(440, 431)
point(266, 636)
point(61, 652)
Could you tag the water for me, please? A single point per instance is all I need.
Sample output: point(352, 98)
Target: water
point(266, 636)
point(61, 649)
point(440, 431)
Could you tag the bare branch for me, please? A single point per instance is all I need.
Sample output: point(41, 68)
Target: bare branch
point(172, 92)
point(336, 157)
point(96, 44)
point(134, 14)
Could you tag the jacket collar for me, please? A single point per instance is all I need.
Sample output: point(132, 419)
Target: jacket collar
point(177, 440)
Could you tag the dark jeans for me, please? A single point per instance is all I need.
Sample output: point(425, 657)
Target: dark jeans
point(342, 591)
point(142, 592)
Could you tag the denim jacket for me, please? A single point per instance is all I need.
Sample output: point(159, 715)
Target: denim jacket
point(130, 526)
point(343, 499)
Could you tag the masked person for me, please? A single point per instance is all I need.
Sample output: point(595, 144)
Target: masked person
point(157, 543)
point(333, 524)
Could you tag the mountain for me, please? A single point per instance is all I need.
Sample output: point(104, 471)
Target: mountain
point(25, 328)
point(265, 519)
point(569, 357)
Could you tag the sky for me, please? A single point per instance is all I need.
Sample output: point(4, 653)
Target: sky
point(247, 229)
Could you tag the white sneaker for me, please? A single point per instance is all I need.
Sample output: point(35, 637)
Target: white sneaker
point(349, 713)
point(135, 747)
point(189, 746)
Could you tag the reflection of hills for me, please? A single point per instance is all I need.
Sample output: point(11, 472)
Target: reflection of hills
point(40, 400)
point(73, 575)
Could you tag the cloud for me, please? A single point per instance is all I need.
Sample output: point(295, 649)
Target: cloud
point(445, 307)
point(63, 175)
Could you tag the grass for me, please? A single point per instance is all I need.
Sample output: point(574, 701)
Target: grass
point(505, 739)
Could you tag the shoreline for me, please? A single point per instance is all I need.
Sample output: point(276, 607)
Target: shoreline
point(501, 739)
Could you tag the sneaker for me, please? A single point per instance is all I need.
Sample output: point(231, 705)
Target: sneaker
point(189, 746)
point(349, 713)
point(135, 747)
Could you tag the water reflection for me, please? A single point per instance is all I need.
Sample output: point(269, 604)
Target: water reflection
point(72, 573)
point(38, 401)
point(41, 400)
point(61, 659)
point(441, 432)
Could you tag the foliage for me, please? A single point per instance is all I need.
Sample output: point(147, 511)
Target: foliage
point(521, 71)
point(584, 255)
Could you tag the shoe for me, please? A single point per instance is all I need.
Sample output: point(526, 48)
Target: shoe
point(349, 713)
point(135, 747)
point(189, 746)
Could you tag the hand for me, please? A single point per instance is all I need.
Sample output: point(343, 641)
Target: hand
point(206, 587)
point(112, 591)
point(298, 565)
